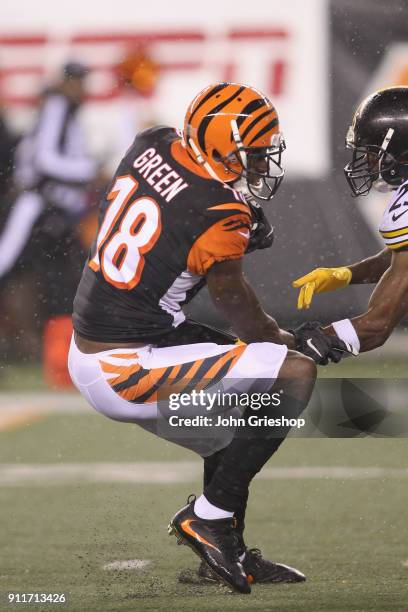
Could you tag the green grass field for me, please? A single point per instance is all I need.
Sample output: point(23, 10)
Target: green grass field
point(348, 534)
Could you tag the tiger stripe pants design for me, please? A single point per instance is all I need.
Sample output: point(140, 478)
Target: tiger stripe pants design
point(125, 384)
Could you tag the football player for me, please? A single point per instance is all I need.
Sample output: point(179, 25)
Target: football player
point(172, 222)
point(378, 139)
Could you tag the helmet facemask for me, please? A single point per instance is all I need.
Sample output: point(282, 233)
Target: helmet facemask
point(370, 166)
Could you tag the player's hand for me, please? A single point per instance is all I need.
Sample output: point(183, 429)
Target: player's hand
point(261, 236)
point(311, 340)
point(318, 281)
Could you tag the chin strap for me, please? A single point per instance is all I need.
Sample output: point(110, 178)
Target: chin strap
point(238, 142)
point(387, 139)
point(381, 182)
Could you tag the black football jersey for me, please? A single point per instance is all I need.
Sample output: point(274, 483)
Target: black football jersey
point(162, 225)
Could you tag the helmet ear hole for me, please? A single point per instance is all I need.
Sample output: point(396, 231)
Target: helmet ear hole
point(216, 155)
point(403, 171)
point(403, 157)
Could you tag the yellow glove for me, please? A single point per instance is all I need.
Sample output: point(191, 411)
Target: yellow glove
point(318, 281)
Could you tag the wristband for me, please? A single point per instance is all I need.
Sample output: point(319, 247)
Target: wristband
point(346, 332)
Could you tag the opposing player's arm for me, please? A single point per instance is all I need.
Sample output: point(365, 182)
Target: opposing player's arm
point(238, 303)
point(371, 269)
point(321, 280)
point(387, 306)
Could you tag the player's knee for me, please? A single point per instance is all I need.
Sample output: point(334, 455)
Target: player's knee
point(298, 366)
point(306, 367)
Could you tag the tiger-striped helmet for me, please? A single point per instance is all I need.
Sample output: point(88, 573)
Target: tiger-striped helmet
point(232, 130)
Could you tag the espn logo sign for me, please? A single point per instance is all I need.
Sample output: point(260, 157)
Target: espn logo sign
point(29, 61)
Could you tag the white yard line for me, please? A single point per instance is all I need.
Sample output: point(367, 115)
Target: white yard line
point(64, 402)
point(16, 419)
point(18, 410)
point(129, 564)
point(149, 472)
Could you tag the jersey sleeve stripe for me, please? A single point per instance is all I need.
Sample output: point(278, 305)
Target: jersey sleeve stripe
point(397, 245)
point(397, 239)
point(394, 233)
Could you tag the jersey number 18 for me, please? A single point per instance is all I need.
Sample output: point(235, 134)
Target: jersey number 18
point(120, 253)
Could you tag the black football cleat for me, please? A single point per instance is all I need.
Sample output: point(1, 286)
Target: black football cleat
point(263, 571)
point(215, 542)
point(258, 570)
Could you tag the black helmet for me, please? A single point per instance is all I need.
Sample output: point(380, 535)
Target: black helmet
point(378, 137)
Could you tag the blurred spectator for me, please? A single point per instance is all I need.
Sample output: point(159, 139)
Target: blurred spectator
point(137, 79)
point(139, 71)
point(54, 177)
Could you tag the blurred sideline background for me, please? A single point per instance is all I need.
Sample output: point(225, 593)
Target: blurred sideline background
point(316, 61)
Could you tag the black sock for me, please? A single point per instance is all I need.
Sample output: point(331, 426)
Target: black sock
point(229, 487)
point(245, 456)
point(210, 466)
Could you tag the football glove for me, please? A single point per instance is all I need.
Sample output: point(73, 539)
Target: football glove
point(318, 281)
point(311, 340)
point(261, 235)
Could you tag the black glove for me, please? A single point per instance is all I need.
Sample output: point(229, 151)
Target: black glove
point(261, 236)
point(311, 340)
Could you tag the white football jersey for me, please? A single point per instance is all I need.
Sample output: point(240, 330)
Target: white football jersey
point(394, 224)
